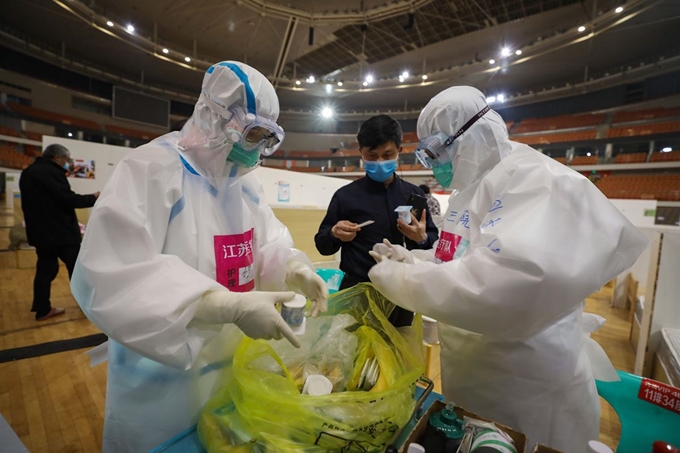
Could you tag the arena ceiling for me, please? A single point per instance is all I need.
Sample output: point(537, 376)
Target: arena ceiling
point(448, 41)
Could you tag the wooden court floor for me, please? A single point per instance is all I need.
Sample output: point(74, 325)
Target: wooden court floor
point(55, 403)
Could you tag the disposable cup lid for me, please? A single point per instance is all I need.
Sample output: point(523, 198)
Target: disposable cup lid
point(318, 384)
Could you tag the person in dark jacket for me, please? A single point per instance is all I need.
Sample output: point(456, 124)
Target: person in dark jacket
point(374, 197)
point(52, 227)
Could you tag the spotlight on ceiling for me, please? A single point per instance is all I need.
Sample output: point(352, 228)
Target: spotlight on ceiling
point(505, 52)
point(581, 29)
point(327, 112)
point(187, 59)
point(491, 99)
point(424, 77)
point(109, 23)
point(165, 50)
point(492, 61)
point(340, 84)
point(369, 78)
point(297, 82)
point(130, 28)
point(619, 9)
point(310, 79)
point(518, 52)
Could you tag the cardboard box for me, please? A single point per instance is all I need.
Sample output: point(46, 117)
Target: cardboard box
point(518, 438)
point(540, 448)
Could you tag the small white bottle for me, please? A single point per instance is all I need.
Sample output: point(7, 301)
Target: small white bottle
point(415, 448)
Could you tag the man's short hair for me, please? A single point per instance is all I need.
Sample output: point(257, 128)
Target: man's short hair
point(378, 130)
point(424, 188)
point(56, 150)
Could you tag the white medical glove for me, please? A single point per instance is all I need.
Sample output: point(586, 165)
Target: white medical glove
point(303, 277)
point(253, 312)
point(390, 251)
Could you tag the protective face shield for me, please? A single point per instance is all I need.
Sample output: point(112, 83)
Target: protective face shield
point(432, 152)
point(380, 171)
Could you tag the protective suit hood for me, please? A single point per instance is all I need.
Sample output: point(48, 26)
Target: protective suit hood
point(481, 147)
point(209, 135)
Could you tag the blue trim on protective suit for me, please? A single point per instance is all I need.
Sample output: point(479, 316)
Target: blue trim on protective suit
point(188, 167)
point(250, 95)
point(176, 209)
point(253, 196)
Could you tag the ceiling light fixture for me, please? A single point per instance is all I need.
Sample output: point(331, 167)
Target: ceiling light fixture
point(365, 83)
point(310, 79)
point(667, 149)
point(492, 61)
point(187, 59)
point(491, 99)
point(581, 29)
point(405, 75)
point(165, 50)
point(505, 52)
point(327, 112)
point(130, 28)
point(500, 98)
point(297, 82)
point(369, 78)
point(109, 23)
point(339, 84)
point(619, 9)
point(518, 52)
point(424, 77)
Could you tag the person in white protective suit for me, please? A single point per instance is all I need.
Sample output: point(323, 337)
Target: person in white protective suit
point(179, 258)
point(524, 241)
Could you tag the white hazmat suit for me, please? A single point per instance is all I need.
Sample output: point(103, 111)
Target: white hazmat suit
point(176, 224)
point(524, 241)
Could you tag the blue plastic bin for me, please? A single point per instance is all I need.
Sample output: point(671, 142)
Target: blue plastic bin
point(332, 277)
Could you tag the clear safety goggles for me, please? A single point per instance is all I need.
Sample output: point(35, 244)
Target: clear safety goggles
point(258, 133)
point(431, 151)
point(255, 133)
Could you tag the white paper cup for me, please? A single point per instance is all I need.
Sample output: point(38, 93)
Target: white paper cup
point(293, 312)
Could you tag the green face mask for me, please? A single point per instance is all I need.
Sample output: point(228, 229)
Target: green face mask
point(240, 156)
point(444, 174)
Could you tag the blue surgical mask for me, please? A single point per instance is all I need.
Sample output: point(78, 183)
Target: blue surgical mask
point(380, 171)
point(243, 157)
point(66, 166)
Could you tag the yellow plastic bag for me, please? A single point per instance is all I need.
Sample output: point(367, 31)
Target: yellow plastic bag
point(263, 411)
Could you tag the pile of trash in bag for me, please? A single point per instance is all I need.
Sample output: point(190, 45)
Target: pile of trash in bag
point(350, 387)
